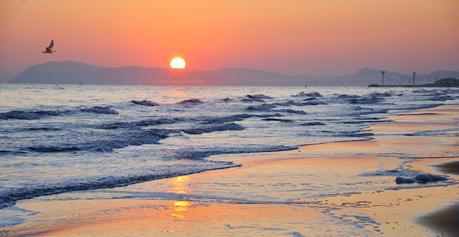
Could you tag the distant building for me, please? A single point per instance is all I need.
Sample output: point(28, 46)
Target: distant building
point(447, 82)
point(444, 82)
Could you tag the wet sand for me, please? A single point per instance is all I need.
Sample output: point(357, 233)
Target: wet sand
point(450, 167)
point(444, 222)
point(275, 193)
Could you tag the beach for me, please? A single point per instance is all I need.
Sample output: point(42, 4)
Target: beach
point(229, 118)
point(265, 195)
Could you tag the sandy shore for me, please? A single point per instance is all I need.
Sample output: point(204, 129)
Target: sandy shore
point(318, 190)
point(445, 221)
point(450, 167)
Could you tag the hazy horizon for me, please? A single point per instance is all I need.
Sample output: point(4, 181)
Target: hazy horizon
point(306, 74)
point(293, 37)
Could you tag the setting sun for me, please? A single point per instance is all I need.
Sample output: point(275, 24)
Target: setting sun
point(177, 63)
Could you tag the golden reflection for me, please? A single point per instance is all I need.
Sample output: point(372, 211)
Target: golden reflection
point(179, 184)
point(179, 210)
point(181, 206)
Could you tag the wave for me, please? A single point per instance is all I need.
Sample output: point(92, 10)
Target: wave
point(290, 111)
point(352, 134)
point(381, 94)
point(313, 124)
point(415, 106)
point(348, 121)
point(371, 98)
point(141, 123)
point(358, 110)
point(190, 102)
point(365, 121)
point(236, 118)
point(226, 119)
point(41, 129)
point(200, 154)
point(313, 102)
point(100, 110)
point(8, 152)
point(30, 115)
point(216, 128)
point(440, 98)
point(435, 133)
point(259, 96)
point(366, 100)
point(227, 100)
point(39, 114)
point(10, 198)
point(256, 98)
point(131, 138)
point(144, 102)
point(311, 94)
point(346, 96)
point(262, 107)
point(278, 120)
point(436, 91)
point(358, 133)
point(299, 103)
point(270, 108)
point(49, 149)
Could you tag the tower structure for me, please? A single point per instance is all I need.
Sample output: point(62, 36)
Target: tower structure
point(382, 77)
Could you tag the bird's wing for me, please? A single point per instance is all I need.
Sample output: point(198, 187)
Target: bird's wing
point(51, 45)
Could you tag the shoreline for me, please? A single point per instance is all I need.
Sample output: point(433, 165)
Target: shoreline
point(450, 167)
point(444, 221)
point(200, 203)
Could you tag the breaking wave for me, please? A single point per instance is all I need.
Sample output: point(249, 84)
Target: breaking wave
point(100, 110)
point(240, 121)
point(10, 198)
point(30, 115)
point(144, 102)
point(190, 102)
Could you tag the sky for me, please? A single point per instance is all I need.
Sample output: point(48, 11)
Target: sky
point(317, 37)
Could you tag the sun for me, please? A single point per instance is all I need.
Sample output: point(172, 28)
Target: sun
point(177, 63)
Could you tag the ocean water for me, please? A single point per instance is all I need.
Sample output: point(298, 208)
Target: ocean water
point(63, 138)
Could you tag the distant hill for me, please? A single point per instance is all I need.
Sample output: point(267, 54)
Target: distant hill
point(367, 76)
point(69, 72)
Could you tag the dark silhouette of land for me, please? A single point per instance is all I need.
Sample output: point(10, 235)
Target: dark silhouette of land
point(69, 72)
point(445, 82)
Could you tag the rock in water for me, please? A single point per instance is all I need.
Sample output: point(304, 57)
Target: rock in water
point(420, 179)
point(427, 178)
point(404, 180)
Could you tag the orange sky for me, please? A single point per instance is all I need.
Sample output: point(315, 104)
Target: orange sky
point(289, 36)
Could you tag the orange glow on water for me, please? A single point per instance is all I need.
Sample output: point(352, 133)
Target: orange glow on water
point(179, 184)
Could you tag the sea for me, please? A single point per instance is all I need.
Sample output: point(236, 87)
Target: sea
point(64, 138)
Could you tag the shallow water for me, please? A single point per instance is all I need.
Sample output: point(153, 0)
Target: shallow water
point(60, 138)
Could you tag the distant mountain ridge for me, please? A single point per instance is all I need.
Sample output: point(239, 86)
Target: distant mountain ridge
point(70, 72)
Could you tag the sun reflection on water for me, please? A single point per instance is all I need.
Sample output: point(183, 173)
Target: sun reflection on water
point(179, 186)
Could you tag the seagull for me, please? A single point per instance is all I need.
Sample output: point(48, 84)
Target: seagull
point(49, 49)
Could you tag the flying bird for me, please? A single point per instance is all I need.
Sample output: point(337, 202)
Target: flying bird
point(49, 49)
